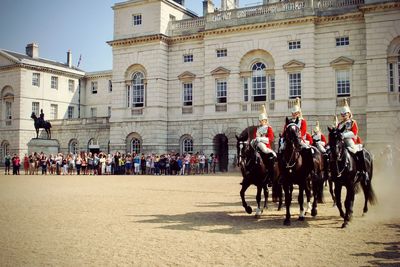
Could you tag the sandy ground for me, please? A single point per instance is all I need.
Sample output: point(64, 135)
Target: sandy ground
point(182, 221)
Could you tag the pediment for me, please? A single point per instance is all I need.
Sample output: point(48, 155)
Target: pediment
point(6, 59)
point(294, 64)
point(187, 75)
point(220, 71)
point(342, 61)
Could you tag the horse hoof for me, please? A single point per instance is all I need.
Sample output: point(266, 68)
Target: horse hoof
point(249, 210)
point(286, 222)
point(344, 225)
point(257, 216)
point(301, 219)
point(314, 212)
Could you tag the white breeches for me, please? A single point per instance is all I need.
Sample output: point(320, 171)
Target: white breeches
point(351, 146)
point(320, 147)
point(263, 147)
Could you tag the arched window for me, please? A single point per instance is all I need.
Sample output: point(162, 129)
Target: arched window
point(4, 150)
point(259, 82)
point(138, 89)
point(73, 146)
point(135, 146)
point(394, 71)
point(187, 145)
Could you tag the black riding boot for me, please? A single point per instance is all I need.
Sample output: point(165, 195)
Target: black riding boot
point(270, 167)
point(362, 167)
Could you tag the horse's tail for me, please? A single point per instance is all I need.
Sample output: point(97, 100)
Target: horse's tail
point(49, 124)
point(370, 191)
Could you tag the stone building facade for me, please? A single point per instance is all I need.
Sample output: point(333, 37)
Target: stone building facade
point(182, 83)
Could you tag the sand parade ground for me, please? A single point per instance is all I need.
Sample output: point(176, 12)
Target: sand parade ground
point(183, 221)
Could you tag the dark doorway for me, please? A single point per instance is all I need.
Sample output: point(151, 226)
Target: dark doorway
point(221, 150)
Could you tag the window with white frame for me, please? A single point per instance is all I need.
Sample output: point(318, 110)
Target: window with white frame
point(188, 58)
point(93, 112)
point(73, 146)
point(8, 112)
point(272, 87)
point(53, 111)
point(259, 82)
point(94, 87)
point(54, 82)
point(35, 108)
point(294, 85)
point(223, 52)
point(70, 112)
point(394, 73)
point(343, 82)
point(135, 146)
point(187, 94)
point(293, 45)
point(138, 90)
point(187, 145)
point(36, 79)
point(245, 89)
point(71, 85)
point(221, 91)
point(342, 41)
point(137, 19)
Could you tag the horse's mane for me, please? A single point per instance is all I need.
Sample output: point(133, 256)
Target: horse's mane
point(244, 135)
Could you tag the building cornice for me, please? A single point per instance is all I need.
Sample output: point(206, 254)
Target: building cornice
point(379, 7)
point(42, 69)
point(99, 74)
point(242, 28)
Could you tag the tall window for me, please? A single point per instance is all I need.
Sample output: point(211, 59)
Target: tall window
point(259, 82)
point(137, 90)
point(36, 79)
point(187, 145)
point(294, 85)
point(343, 82)
point(8, 111)
point(187, 94)
point(245, 89)
point(73, 146)
point(221, 91)
point(70, 112)
point(135, 146)
point(94, 87)
point(54, 82)
point(109, 112)
point(71, 85)
point(394, 73)
point(137, 19)
point(109, 86)
point(272, 87)
point(4, 150)
point(93, 112)
point(53, 111)
point(35, 108)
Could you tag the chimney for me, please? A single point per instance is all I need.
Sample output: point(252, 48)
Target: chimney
point(32, 50)
point(69, 58)
point(229, 4)
point(208, 7)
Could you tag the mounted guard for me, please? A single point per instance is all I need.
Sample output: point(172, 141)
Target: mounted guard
point(262, 140)
point(319, 139)
point(349, 128)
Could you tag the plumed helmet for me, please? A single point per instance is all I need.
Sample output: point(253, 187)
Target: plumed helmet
point(335, 121)
point(296, 106)
point(345, 108)
point(316, 128)
point(263, 114)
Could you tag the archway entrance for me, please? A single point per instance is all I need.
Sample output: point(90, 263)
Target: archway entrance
point(221, 149)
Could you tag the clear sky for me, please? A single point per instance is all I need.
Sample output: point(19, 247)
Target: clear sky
point(56, 26)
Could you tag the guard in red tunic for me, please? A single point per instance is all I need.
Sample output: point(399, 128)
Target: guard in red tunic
point(318, 138)
point(263, 138)
point(351, 138)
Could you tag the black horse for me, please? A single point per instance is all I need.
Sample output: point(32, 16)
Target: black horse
point(253, 171)
point(344, 172)
point(41, 124)
point(294, 169)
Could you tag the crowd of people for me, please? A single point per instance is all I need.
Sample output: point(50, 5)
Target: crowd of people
point(112, 164)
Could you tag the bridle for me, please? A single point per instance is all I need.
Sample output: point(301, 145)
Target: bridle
point(338, 152)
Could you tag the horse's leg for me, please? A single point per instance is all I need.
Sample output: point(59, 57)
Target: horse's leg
point(301, 200)
point(258, 199)
point(266, 192)
point(338, 194)
point(365, 191)
point(318, 187)
point(348, 204)
point(332, 192)
point(37, 133)
point(308, 196)
point(244, 204)
point(288, 200)
point(280, 196)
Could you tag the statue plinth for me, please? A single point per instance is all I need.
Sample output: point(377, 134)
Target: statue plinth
point(47, 146)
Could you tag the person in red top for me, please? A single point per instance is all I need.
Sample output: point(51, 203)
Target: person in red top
point(351, 138)
point(262, 140)
point(319, 139)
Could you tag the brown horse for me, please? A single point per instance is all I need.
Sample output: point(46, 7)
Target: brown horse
point(41, 124)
